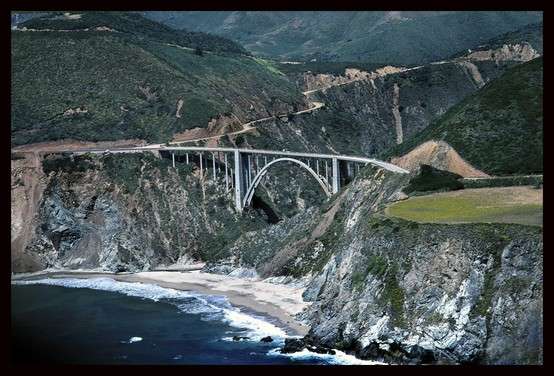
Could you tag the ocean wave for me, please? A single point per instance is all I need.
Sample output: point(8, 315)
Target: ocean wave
point(340, 358)
point(209, 307)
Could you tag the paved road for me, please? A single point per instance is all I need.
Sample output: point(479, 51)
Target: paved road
point(387, 166)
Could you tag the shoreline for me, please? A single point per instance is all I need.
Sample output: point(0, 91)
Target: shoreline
point(277, 303)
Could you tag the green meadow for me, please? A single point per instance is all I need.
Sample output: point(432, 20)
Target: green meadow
point(521, 205)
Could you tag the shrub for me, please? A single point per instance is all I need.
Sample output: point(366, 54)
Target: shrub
point(432, 179)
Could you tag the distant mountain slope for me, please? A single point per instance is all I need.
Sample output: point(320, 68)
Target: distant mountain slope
point(386, 37)
point(134, 24)
point(108, 85)
point(531, 35)
point(498, 129)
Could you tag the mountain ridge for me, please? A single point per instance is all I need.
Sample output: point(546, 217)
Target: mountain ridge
point(393, 38)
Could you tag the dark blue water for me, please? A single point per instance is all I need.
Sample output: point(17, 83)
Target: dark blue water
point(52, 324)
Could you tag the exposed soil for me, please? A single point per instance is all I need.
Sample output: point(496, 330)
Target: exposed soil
point(64, 145)
point(27, 188)
point(439, 155)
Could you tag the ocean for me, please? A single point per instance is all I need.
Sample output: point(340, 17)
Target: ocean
point(103, 321)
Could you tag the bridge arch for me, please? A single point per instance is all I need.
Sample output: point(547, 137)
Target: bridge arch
point(258, 178)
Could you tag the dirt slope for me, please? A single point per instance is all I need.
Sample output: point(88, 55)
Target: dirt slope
point(439, 155)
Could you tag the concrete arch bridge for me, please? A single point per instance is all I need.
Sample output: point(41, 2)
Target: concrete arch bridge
point(244, 169)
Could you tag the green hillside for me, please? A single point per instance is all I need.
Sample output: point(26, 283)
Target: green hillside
point(136, 25)
point(532, 34)
point(118, 85)
point(499, 129)
point(405, 38)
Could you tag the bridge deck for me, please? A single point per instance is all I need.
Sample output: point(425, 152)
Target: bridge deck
point(385, 165)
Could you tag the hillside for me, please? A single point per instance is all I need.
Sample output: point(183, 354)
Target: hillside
point(498, 129)
point(394, 37)
point(129, 80)
point(134, 24)
point(530, 34)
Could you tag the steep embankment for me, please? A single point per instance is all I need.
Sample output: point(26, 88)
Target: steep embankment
point(440, 155)
point(382, 288)
point(132, 78)
point(405, 292)
point(27, 186)
point(499, 129)
point(118, 212)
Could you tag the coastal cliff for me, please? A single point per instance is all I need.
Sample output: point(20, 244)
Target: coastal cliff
point(379, 287)
point(405, 292)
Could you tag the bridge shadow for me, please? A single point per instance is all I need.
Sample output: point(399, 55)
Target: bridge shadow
point(194, 159)
point(259, 204)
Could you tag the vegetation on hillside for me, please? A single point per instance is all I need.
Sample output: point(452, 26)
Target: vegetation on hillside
point(498, 129)
point(99, 85)
point(531, 34)
point(136, 25)
point(401, 38)
point(432, 179)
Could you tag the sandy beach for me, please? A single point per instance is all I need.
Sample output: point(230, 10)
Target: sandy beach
point(279, 302)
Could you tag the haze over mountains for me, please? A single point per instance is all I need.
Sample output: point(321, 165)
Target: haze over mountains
point(392, 37)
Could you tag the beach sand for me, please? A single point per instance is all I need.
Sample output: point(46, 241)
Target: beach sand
point(279, 302)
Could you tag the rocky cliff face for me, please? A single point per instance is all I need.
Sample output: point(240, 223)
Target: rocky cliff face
point(124, 212)
point(391, 104)
point(404, 292)
point(382, 288)
point(391, 108)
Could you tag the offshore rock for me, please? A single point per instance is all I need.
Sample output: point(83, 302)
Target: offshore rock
point(293, 345)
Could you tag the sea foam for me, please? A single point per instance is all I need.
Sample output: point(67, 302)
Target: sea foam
point(340, 358)
point(209, 307)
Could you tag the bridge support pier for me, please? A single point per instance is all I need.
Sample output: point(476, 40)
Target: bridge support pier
point(238, 182)
point(213, 165)
point(201, 173)
point(226, 174)
point(335, 176)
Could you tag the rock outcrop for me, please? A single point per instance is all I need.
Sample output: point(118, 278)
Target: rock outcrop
point(381, 288)
point(124, 212)
point(405, 292)
point(508, 52)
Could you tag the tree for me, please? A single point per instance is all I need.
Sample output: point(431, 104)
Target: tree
point(198, 51)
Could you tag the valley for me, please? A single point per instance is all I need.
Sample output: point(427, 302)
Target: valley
point(353, 203)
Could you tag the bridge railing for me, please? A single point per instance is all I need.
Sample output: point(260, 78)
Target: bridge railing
point(385, 165)
point(245, 171)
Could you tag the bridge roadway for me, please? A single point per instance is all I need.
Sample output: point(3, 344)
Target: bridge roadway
point(247, 171)
point(387, 166)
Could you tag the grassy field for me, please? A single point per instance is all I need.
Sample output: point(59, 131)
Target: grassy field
point(521, 205)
